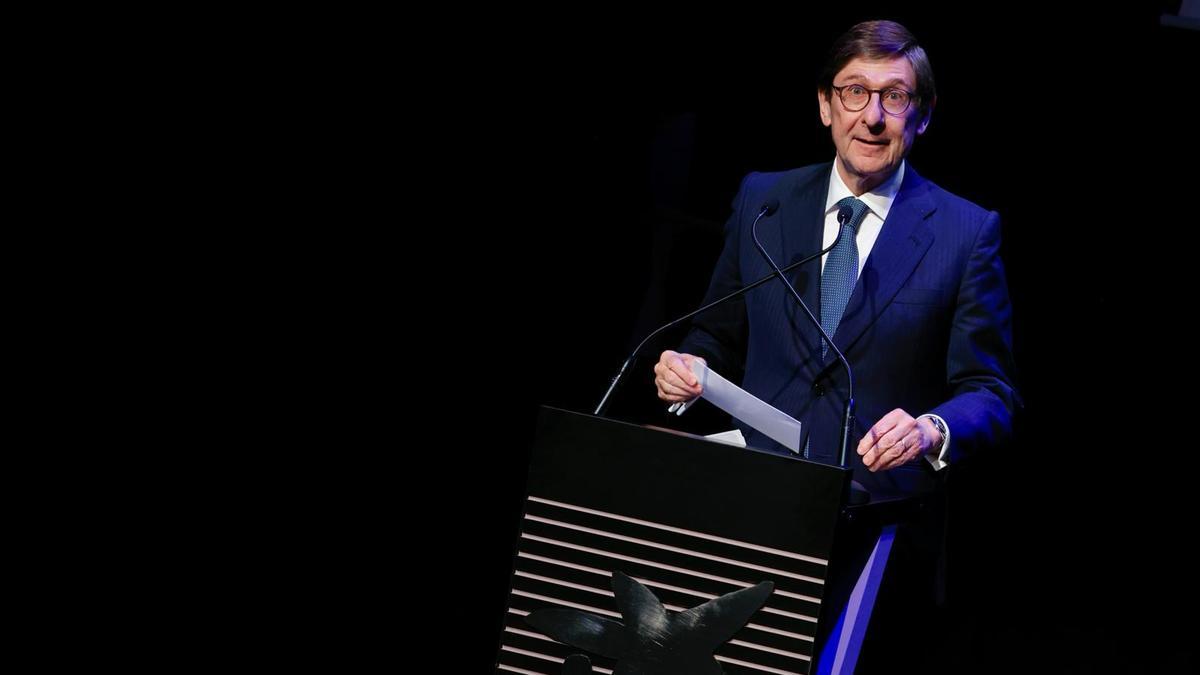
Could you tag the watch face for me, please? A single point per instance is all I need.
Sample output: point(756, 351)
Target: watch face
point(937, 424)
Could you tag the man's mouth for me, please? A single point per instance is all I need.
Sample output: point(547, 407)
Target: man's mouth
point(868, 142)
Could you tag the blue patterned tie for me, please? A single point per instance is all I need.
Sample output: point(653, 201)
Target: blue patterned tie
point(841, 270)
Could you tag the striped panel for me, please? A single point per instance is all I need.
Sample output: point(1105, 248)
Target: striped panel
point(566, 556)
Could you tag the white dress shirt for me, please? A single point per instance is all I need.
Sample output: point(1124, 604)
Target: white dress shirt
point(879, 202)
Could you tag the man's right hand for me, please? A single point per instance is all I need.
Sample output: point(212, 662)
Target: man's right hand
point(674, 379)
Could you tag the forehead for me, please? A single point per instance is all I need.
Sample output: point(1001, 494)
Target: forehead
point(878, 73)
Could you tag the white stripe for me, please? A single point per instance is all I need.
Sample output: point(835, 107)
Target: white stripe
point(648, 583)
point(777, 631)
point(771, 650)
point(535, 596)
point(518, 670)
point(677, 589)
point(755, 626)
point(664, 566)
point(535, 655)
point(526, 633)
point(563, 563)
point(797, 596)
point(543, 656)
point(568, 584)
point(732, 582)
point(755, 666)
point(724, 659)
point(518, 631)
point(709, 596)
point(790, 615)
point(674, 549)
point(679, 530)
point(673, 608)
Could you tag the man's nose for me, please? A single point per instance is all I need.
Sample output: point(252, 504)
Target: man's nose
point(873, 115)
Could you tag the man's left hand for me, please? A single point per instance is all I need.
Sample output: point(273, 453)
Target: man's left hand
point(897, 439)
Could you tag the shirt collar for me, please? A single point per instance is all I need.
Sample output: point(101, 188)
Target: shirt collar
point(879, 200)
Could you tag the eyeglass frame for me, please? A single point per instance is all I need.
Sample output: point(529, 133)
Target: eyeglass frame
point(912, 96)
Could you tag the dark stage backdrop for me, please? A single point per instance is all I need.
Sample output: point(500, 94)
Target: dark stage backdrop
point(600, 169)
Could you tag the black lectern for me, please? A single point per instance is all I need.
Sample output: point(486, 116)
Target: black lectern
point(690, 520)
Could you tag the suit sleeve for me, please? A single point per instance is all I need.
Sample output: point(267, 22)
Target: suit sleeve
point(720, 334)
point(979, 365)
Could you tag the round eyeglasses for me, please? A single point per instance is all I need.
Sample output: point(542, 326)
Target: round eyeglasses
point(855, 97)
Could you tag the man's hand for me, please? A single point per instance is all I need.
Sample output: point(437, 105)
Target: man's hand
point(897, 439)
point(674, 379)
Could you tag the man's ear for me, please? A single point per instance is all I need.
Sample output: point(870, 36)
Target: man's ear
point(823, 105)
point(928, 114)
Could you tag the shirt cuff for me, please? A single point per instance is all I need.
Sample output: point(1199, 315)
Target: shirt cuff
point(940, 459)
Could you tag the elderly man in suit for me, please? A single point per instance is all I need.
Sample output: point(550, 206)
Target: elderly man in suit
point(913, 293)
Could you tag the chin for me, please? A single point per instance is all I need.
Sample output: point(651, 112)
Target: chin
point(870, 169)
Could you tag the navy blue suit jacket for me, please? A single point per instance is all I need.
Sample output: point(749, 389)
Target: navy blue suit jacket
point(927, 329)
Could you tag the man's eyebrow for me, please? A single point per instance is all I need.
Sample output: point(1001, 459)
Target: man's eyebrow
point(895, 82)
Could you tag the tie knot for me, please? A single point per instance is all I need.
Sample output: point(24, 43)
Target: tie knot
point(856, 210)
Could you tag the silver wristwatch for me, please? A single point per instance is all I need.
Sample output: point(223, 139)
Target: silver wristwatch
point(941, 427)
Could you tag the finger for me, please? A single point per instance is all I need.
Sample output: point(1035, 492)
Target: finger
point(896, 423)
point(865, 443)
point(896, 455)
point(879, 429)
point(683, 371)
point(911, 454)
point(895, 437)
point(879, 436)
point(915, 445)
point(673, 392)
point(672, 378)
point(871, 438)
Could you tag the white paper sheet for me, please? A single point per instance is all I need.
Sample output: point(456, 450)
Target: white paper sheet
point(732, 437)
point(744, 406)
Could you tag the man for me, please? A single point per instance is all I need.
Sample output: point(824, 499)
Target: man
point(926, 323)
point(914, 295)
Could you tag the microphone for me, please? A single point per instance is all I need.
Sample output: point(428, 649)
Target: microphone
point(771, 206)
point(844, 215)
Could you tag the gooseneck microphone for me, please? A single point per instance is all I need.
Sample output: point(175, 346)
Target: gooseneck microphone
point(766, 210)
point(844, 215)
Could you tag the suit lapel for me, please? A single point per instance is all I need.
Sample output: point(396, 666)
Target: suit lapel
point(901, 245)
point(797, 232)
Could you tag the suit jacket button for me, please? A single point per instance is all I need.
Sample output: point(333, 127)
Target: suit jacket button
point(818, 390)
